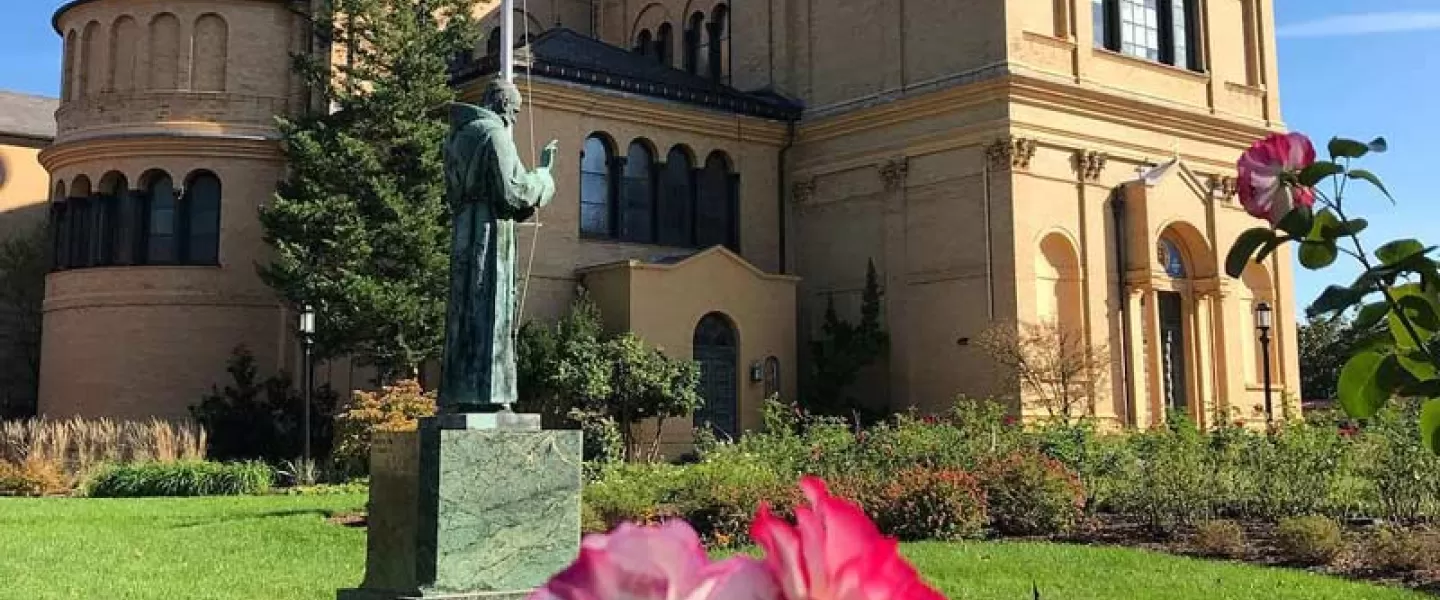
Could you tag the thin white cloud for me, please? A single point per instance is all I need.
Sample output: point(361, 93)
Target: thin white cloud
point(1362, 24)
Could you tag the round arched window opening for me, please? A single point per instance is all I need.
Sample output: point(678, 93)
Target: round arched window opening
point(1171, 260)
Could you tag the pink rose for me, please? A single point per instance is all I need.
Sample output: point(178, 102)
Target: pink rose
point(665, 562)
point(1263, 192)
point(834, 552)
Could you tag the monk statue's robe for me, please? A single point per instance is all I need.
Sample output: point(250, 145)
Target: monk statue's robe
point(489, 191)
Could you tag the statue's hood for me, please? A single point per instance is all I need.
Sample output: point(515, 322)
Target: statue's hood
point(462, 114)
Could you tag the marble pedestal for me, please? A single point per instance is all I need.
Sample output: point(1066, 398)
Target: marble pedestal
point(471, 507)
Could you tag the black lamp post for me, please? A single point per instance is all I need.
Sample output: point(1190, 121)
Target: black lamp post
point(307, 338)
point(1264, 320)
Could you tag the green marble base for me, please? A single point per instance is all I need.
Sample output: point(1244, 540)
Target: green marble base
point(470, 508)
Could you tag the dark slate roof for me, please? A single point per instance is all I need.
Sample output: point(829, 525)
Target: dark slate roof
point(566, 55)
point(23, 115)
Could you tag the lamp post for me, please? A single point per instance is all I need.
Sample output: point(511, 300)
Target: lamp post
point(307, 338)
point(1264, 320)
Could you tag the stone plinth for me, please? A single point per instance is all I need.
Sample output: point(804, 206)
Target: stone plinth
point(471, 508)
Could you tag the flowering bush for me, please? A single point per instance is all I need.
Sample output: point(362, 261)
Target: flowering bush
point(834, 552)
point(921, 503)
point(1032, 494)
point(1279, 179)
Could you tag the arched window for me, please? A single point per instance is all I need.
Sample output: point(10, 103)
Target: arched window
point(78, 248)
point(677, 200)
point(664, 44)
point(202, 219)
point(72, 57)
point(715, 348)
point(92, 69)
point(124, 43)
point(210, 53)
point(716, 206)
point(114, 192)
point(596, 188)
point(164, 52)
point(1171, 260)
point(58, 235)
point(160, 218)
point(772, 378)
point(492, 42)
point(695, 42)
point(644, 42)
point(720, 44)
point(637, 200)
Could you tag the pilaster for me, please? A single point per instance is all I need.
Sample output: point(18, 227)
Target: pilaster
point(894, 173)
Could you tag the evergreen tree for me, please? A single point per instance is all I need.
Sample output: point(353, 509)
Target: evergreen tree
point(360, 228)
point(844, 349)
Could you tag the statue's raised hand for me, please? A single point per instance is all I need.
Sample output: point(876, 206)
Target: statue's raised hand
point(547, 156)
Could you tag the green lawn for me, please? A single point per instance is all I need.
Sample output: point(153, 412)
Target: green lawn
point(282, 548)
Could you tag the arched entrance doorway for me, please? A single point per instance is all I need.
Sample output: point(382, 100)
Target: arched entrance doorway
point(1172, 325)
point(717, 351)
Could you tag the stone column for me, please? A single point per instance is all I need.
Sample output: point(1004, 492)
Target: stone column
point(1140, 369)
point(1205, 358)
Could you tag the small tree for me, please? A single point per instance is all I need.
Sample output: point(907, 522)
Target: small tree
point(1057, 369)
point(1325, 344)
point(253, 418)
point(360, 228)
point(24, 261)
point(573, 371)
point(844, 349)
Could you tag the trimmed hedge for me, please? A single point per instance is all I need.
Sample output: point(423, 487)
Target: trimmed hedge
point(180, 479)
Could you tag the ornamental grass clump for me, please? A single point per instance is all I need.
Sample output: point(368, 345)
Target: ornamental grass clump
point(181, 479)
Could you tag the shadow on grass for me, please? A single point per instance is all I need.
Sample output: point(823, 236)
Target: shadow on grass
point(274, 514)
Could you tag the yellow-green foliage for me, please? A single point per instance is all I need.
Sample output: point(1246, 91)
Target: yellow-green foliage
point(393, 408)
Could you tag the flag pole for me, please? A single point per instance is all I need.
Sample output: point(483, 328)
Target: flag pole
point(507, 41)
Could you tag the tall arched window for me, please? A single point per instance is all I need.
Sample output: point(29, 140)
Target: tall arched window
point(492, 42)
point(596, 188)
point(677, 200)
point(210, 53)
point(72, 57)
point(695, 43)
point(716, 206)
point(645, 42)
point(58, 235)
point(664, 44)
point(124, 43)
point(164, 52)
point(637, 200)
point(114, 191)
point(78, 249)
point(202, 219)
point(92, 69)
point(160, 234)
point(720, 44)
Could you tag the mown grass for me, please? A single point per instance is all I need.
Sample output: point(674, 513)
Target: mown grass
point(282, 548)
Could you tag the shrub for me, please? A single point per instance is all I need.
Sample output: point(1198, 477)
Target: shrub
point(1394, 550)
point(1309, 540)
point(189, 478)
point(1221, 538)
point(254, 418)
point(940, 504)
point(1171, 485)
point(639, 493)
point(31, 478)
point(394, 408)
point(1031, 494)
point(720, 497)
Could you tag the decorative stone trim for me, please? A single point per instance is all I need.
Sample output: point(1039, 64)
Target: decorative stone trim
point(1089, 164)
point(1222, 187)
point(894, 172)
point(803, 191)
point(1011, 153)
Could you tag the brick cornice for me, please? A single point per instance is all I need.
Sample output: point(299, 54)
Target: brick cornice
point(206, 146)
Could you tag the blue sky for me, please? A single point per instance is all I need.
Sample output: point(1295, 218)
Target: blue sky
point(1349, 68)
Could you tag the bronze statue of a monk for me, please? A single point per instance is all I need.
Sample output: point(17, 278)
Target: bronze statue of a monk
point(489, 190)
